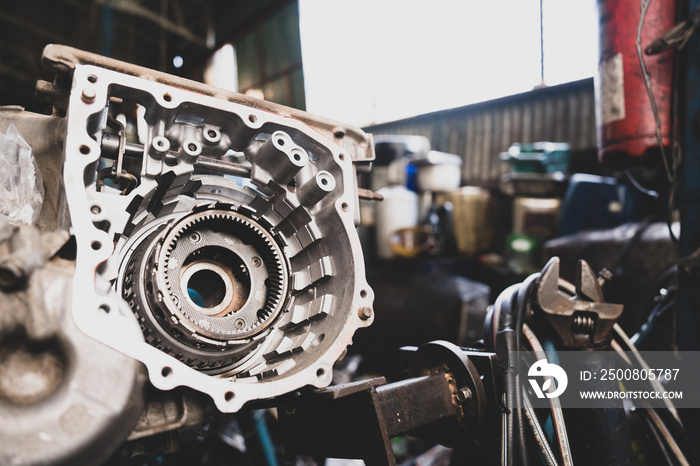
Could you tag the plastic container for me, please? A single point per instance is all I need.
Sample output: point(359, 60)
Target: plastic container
point(438, 171)
point(398, 210)
point(473, 228)
point(538, 157)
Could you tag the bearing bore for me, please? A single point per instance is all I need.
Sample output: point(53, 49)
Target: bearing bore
point(209, 283)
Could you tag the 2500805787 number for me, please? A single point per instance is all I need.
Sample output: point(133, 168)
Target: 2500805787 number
point(638, 374)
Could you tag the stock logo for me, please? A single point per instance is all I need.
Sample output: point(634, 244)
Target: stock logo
point(550, 372)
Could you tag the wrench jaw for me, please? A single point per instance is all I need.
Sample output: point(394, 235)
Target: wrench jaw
point(581, 321)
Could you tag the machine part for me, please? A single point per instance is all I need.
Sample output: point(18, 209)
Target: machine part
point(626, 122)
point(372, 412)
point(472, 378)
point(239, 282)
point(445, 400)
point(61, 399)
point(163, 412)
point(62, 60)
point(584, 321)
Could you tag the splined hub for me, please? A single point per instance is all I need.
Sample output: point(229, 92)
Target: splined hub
point(213, 280)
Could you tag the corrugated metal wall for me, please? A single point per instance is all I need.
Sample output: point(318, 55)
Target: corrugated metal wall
point(269, 58)
point(480, 132)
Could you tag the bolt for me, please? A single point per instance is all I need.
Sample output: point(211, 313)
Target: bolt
point(195, 237)
point(365, 312)
point(464, 394)
point(88, 95)
point(256, 261)
point(239, 324)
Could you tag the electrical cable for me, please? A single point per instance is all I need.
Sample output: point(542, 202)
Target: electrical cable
point(540, 437)
point(639, 187)
point(627, 246)
point(656, 385)
point(644, 5)
point(659, 283)
point(657, 437)
point(521, 301)
point(666, 434)
point(264, 438)
point(666, 420)
point(557, 413)
point(651, 414)
point(650, 324)
point(505, 458)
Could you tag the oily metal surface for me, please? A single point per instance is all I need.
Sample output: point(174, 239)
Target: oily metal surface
point(65, 398)
point(299, 195)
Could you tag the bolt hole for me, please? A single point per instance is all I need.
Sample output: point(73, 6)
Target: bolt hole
point(166, 372)
point(105, 308)
point(96, 245)
point(297, 157)
point(363, 294)
point(320, 372)
point(211, 133)
point(345, 206)
point(167, 97)
point(252, 118)
point(85, 150)
point(92, 78)
point(317, 341)
point(228, 396)
point(341, 157)
point(96, 210)
point(192, 147)
point(324, 181)
point(280, 142)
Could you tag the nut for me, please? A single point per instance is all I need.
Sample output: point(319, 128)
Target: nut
point(464, 394)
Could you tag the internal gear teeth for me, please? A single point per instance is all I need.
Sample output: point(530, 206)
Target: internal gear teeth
point(253, 237)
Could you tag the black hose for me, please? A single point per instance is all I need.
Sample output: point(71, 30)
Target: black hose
point(520, 309)
point(508, 339)
point(505, 345)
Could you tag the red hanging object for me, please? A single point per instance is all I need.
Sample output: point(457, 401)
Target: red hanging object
point(626, 127)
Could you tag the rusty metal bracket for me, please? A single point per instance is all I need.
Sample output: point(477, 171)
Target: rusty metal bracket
point(358, 420)
point(447, 399)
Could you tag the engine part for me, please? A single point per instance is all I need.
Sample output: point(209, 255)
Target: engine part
point(61, 399)
point(240, 280)
point(449, 397)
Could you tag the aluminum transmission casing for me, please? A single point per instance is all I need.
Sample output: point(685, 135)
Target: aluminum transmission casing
point(242, 281)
